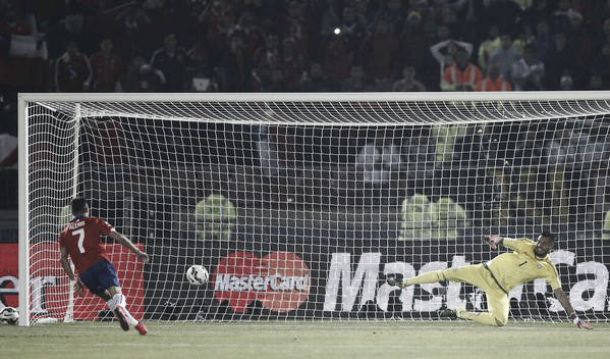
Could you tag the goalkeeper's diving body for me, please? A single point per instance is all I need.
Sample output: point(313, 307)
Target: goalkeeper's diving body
point(529, 260)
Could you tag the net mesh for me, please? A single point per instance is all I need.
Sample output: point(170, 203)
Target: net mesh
point(304, 209)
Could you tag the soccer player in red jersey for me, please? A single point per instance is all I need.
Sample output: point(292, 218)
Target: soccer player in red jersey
point(81, 241)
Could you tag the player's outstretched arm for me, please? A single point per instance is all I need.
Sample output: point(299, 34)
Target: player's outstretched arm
point(127, 243)
point(565, 302)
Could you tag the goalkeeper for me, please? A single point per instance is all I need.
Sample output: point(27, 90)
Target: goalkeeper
point(529, 261)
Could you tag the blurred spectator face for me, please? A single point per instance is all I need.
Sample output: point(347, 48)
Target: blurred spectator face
point(506, 41)
point(170, 42)
point(408, 73)
point(461, 57)
point(106, 46)
point(566, 82)
point(414, 19)
point(564, 5)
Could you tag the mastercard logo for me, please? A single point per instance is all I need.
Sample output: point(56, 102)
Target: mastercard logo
point(280, 281)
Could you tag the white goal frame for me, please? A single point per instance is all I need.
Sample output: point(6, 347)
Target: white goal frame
point(125, 98)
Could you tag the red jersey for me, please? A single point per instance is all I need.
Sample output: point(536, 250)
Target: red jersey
point(82, 239)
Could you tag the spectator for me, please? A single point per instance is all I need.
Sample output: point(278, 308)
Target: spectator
point(356, 82)
point(408, 83)
point(72, 71)
point(566, 82)
point(171, 60)
point(445, 52)
point(297, 27)
point(235, 66)
point(462, 75)
point(379, 52)
point(560, 60)
point(134, 27)
point(353, 27)
point(141, 77)
point(543, 41)
point(314, 80)
point(414, 44)
point(502, 13)
point(106, 68)
point(505, 56)
point(268, 55)
point(200, 59)
point(292, 64)
point(563, 16)
point(338, 58)
point(494, 81)
point(392, 14)
point(528, 72)
point(490, 45)
point(329, 19)
point(252, 36)
point(595, 83)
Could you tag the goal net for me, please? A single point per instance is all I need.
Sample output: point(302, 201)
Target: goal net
point(301, 206)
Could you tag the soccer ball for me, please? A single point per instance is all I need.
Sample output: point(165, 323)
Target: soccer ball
point(9, 315)
point(197, 275)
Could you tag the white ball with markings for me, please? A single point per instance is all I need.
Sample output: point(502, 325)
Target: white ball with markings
point(197, 275)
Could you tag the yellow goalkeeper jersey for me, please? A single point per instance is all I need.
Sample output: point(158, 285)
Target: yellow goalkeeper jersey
point(522, 266)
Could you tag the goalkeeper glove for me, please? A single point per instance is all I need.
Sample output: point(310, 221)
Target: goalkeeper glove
point(581, 324)
point(395, 280)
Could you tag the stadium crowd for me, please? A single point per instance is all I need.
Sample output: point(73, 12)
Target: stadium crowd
point(313, 45)
point(306, 45)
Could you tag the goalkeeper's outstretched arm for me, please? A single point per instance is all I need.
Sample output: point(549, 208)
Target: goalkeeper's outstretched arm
point(565, 302)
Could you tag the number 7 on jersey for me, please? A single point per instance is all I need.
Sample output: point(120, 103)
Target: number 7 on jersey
point(81, 239)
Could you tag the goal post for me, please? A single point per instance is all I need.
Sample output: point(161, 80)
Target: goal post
point(300, 206)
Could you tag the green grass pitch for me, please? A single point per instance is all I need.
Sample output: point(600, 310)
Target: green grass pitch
point(252, 340)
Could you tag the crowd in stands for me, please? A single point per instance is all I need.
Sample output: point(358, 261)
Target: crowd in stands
point(306, 45)
point(302, 45)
